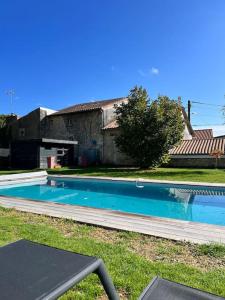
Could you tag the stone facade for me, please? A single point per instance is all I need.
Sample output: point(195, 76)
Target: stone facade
point(94, 143)
point(111, 154)
point(30, 126)
point(86, 128)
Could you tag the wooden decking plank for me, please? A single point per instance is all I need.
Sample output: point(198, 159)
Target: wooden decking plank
point(116, 225)
point(179, 230)
point(171, 222)
point(128, 219)
point(184, 230)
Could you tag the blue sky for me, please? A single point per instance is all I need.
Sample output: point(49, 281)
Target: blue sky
point(58, 53)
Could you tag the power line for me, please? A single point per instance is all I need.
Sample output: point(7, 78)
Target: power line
point(199, 115)
point(208, 125)
point(208, 104)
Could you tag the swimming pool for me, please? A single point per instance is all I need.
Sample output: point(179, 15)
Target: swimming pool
point(183, 202)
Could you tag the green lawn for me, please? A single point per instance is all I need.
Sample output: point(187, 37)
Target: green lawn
point(132, 259)
point(178, 174)
point(8, 172)
point(184, 174)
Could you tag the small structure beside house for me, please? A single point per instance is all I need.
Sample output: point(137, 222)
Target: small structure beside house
point(37, 153)
point(28, 148)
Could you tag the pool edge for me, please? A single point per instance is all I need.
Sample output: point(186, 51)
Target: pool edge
point(193, 183)
point(173, 229)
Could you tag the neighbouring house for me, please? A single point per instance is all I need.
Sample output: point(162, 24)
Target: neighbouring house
point(197, 151)
point(85, 134)
point(203, 134)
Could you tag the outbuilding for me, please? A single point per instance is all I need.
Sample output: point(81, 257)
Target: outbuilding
point(37, 153)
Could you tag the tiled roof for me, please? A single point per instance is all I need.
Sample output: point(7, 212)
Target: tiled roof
point(89, 106)
point(111, 125)
point(203, 134)
point(199, 146)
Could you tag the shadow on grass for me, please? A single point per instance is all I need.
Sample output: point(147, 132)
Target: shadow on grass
point(120, 172)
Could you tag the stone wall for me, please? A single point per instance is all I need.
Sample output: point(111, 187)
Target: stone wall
point(196, 161)
point(111, 154)
point(84, 127)
point(29, 126)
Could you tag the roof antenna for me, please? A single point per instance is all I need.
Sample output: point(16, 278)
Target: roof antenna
point(179, 100)
point(11, 94)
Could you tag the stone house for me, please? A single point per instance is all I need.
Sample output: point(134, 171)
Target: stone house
point(94, 126)
point(84, 134)
point(86, 124)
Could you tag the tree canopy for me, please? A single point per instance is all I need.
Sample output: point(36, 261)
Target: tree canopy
point(148, 129)
point(4, 130)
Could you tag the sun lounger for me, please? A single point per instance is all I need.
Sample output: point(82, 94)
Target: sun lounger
point(162, 289)
point(30, 271)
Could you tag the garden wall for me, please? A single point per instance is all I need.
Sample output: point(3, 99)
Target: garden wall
point(196, 161)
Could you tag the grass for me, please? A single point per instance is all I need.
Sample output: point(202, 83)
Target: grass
point(8, 172)
point(132, 259)
point(178, 174)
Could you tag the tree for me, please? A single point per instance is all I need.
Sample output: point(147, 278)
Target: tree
point(4, 130)
point(3, 120)
point(148, 129)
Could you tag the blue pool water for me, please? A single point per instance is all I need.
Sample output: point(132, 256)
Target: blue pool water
point(198, 204)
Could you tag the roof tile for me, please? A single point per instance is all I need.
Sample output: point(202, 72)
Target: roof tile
point(203, 134)
point(89, 106)
point(199, 146)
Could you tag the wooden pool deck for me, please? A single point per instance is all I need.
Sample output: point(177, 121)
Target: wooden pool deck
point(160, 227)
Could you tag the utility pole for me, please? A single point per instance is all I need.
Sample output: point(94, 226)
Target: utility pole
point(11, 94)
point(189, 111)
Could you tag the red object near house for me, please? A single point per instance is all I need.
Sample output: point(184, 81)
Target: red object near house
point(51, 162)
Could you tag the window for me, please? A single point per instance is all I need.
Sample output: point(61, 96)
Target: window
point(21, 132)
point(69, 122)
point(60, 151)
